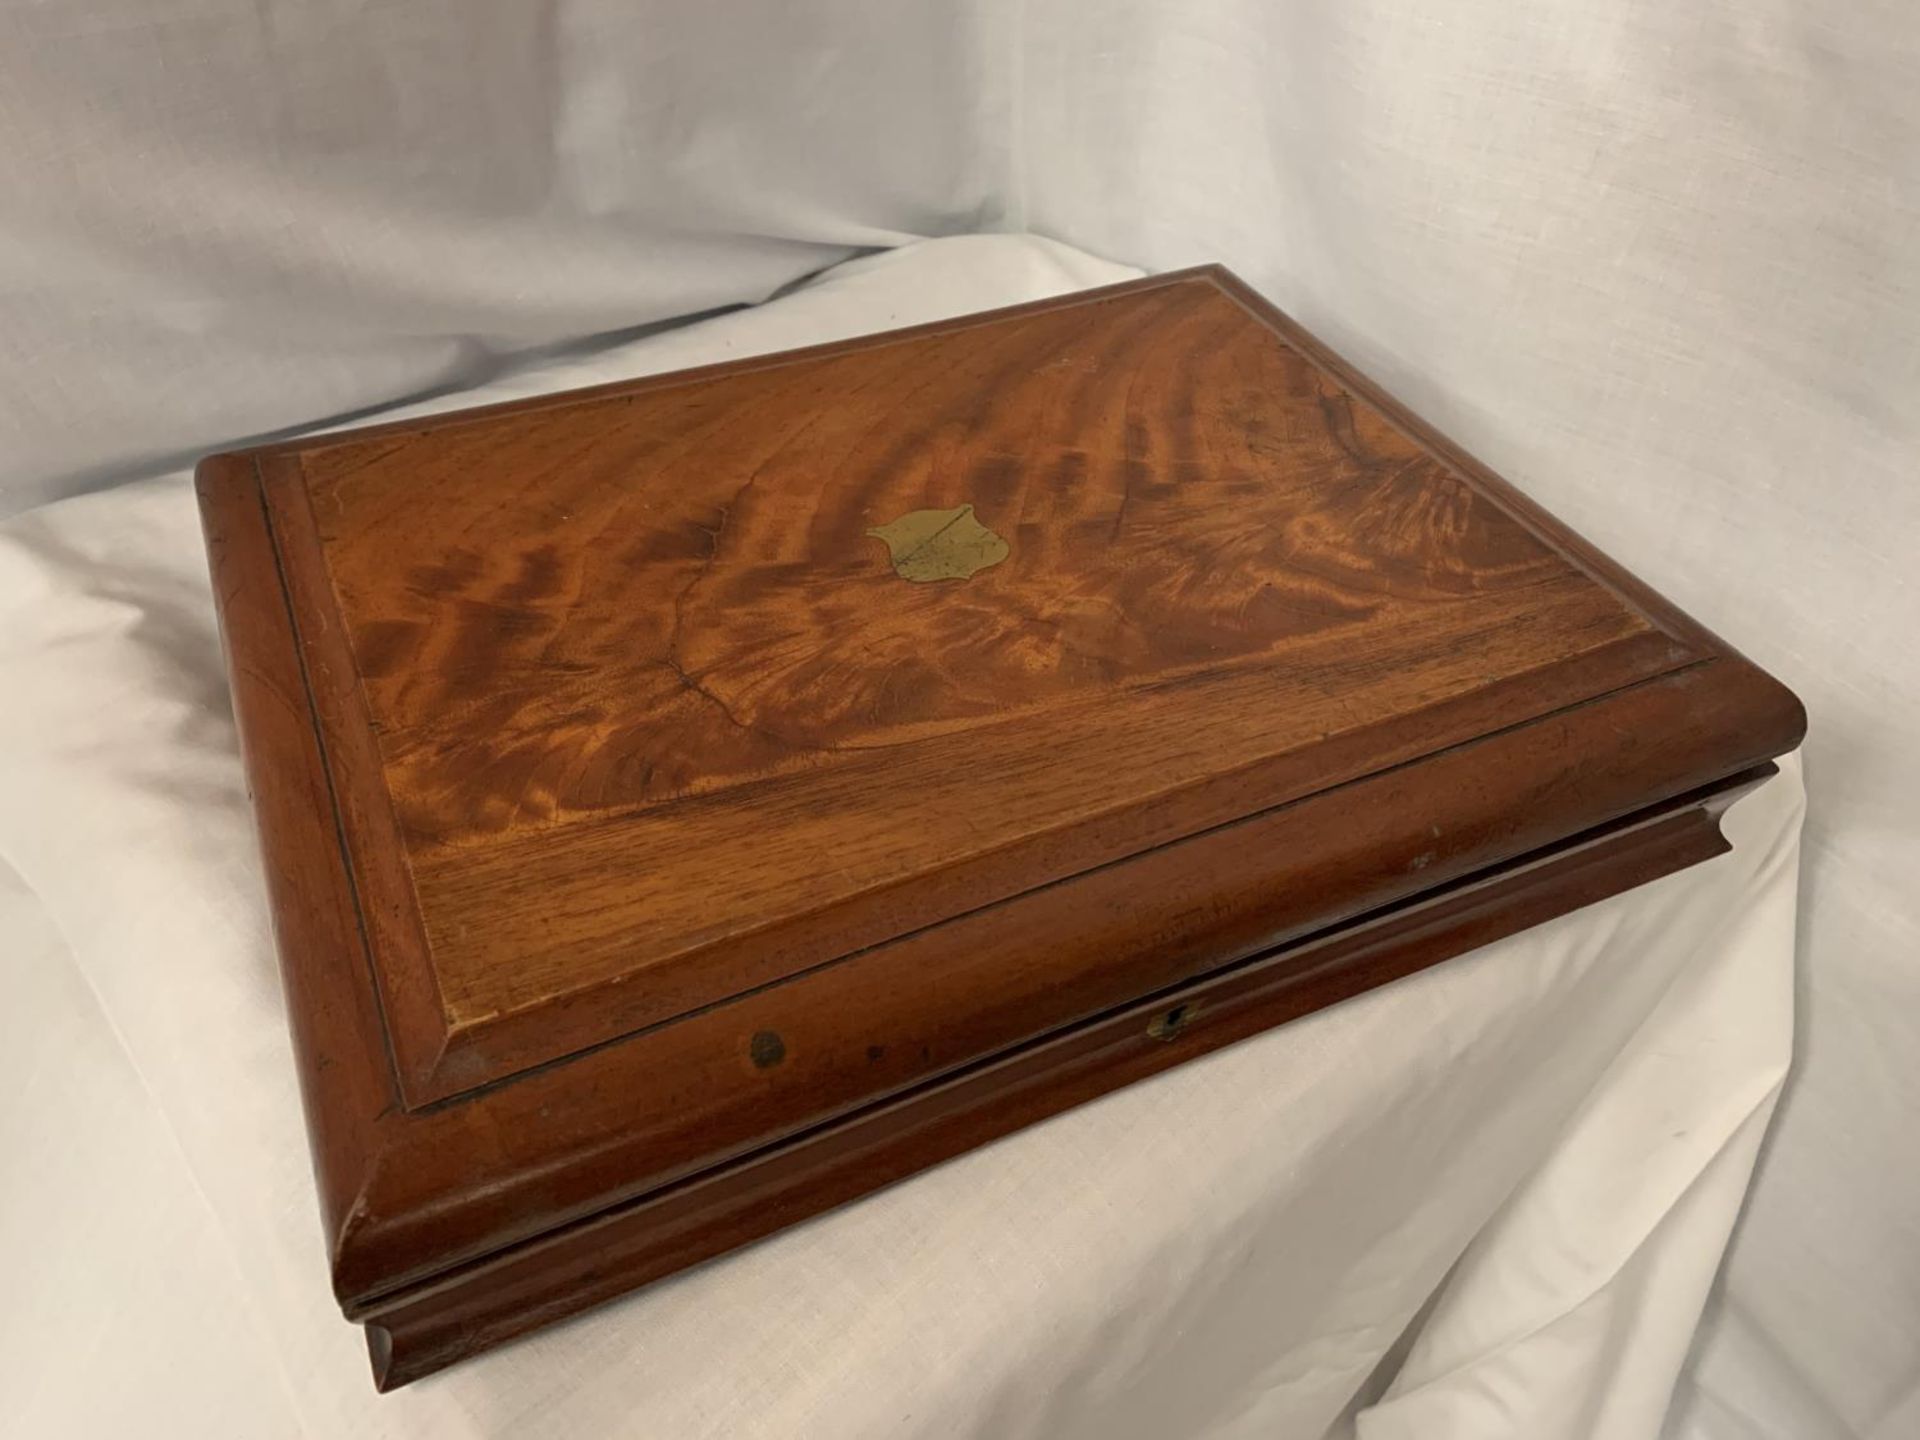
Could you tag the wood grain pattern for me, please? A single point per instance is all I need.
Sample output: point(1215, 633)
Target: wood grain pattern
point(629, 821)
point(661, 641)
point(664, 601)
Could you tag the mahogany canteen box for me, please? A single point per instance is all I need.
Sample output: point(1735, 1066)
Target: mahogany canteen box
point(694, 803)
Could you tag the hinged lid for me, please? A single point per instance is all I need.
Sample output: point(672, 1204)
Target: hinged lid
point(634, 707)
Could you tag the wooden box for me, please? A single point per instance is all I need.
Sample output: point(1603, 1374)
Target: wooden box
point(694, 803)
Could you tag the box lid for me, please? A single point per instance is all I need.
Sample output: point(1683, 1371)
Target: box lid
point(705, 755)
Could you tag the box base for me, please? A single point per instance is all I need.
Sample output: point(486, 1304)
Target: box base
point(433, 1324)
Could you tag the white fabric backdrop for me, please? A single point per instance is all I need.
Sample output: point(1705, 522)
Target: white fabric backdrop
point(1659, 263)
point(219, 218)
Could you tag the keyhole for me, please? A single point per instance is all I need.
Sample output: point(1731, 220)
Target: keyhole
point(1171, 1022)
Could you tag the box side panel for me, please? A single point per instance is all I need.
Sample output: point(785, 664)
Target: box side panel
point(414, 1333)
point(346, 1074)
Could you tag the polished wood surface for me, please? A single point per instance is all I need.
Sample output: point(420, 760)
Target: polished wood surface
point(617, 659)
point(630, 819)
point(516, 1290)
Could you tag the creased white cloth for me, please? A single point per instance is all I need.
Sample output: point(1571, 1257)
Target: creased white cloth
point(1483, 1202)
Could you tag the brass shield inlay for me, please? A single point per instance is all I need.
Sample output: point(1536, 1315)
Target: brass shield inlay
point(940, 544)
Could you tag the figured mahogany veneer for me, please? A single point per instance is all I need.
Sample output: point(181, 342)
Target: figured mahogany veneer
point(653, 865)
